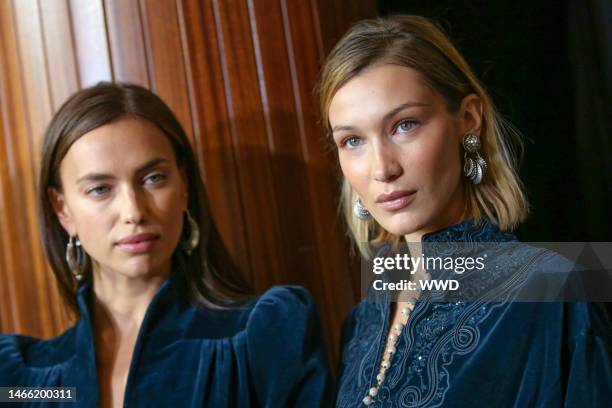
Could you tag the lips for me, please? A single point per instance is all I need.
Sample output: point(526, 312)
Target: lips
point(396, 200)
point(138, 243)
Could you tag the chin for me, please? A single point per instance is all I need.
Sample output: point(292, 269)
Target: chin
point(402, 223)
point(139, 268)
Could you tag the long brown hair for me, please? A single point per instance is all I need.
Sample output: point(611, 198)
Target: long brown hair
point(417, 43)
point(207, 275)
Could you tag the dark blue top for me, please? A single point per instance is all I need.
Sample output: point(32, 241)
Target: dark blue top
point(268, 354)
point(479, 352)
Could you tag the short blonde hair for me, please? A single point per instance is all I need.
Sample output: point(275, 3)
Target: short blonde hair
point(417, 43)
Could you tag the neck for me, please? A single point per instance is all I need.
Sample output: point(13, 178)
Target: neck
point(124, 300)
point(454, 214)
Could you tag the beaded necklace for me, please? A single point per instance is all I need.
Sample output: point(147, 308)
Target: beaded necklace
point(390, 350)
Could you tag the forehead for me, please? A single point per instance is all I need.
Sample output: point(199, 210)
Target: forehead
point(378, 89)
point(122, 144)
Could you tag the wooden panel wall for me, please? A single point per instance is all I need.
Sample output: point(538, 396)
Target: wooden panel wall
point(239, 74)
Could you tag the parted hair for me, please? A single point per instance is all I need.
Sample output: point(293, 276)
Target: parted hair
point(207, 275)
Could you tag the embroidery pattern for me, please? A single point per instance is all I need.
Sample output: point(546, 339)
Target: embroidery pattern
point(436, 333)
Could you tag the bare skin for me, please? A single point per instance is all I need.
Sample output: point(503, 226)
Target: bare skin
point(117, 321)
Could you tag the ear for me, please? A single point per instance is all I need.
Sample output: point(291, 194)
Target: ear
point(471, 114)
point(62, 211)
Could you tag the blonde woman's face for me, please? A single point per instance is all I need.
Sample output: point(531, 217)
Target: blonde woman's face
point(400, 148)
point(124, 197)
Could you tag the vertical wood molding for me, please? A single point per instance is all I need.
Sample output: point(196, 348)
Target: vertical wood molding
point(59, 47)
point(166, 56)
point(213, 109)
point(249, 141)
point(127, 41)
point(26, 272)
point(93, 56)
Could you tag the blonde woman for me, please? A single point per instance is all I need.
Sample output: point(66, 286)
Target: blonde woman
point(425, 158)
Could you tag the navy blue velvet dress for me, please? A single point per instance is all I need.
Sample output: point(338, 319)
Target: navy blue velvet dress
point(481, 353)
point(268, 354)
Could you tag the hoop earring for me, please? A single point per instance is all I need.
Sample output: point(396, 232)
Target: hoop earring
point(474, 167)
point(192, 240)
point(75, 258)
point(359, 210)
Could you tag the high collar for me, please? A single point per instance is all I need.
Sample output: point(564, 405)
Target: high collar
point(164, 306)
point(165, 292)
point(469, 231)
point(451, 237)
point(161, 311)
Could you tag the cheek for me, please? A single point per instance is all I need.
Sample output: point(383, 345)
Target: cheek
point(94, 224)
point(443, 163)
point(170, 209)
point(355, 171)
point(92, 219)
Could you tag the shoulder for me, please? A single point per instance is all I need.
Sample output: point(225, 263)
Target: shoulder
point(286, 350)
point(265, 313)
point(21, 354)
point(570, 272)
point(11, 354)
point(520, 271)
point(286, 308)
point(590, 319)
point(289, 295)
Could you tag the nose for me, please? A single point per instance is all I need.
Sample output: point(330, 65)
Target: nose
point(133, 206)
point(386, 166)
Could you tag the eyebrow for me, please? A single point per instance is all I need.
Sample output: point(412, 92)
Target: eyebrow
point(143, 167)
point(388, 115)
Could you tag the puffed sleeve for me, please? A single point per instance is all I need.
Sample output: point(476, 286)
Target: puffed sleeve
point(10, 358)
point(589, 382)
point(286, 350)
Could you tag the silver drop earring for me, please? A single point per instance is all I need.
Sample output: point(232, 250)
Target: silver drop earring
point(75, 258)
point(474, 167)
point(359, 210)
point(193, 239)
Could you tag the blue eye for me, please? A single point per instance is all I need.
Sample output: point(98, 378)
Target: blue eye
point(351, 142)
point(97, 191)
point(406, 125)
point(155, 178)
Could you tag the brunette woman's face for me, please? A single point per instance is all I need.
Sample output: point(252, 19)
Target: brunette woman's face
point(400, 148)
point(123, 195)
